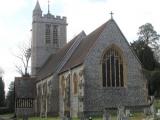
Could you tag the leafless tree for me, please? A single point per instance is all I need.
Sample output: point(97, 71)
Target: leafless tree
point(24, 55)
point(1, 72)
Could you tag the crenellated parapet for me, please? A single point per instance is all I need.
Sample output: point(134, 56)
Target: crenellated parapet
point(48, 35)
point(49, 18)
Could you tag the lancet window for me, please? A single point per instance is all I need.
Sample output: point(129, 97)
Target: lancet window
point(75, 84)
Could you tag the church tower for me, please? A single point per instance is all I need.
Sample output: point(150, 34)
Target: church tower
point(48, 35)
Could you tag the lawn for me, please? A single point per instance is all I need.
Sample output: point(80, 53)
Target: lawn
point(136, 116)
point(157, 104)
point(6, 115)
point(38, 118)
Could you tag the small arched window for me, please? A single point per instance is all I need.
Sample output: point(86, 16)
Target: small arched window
point(112, 69)
point(75, 84)
point(63, 86)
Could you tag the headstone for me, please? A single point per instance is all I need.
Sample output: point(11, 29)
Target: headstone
point(65, 118)
point(152, 108)
point(121, 114)
point(82, 116)
point(147, 111)
point(124, 118)
point(128, 113)
point(66, 115)
point(106, 115)
point(158, 113)
point(25, 117)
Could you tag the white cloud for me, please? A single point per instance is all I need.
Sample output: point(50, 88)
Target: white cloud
point(132, 14)
point(13, 29)
point(81, 15)
point(10, 7)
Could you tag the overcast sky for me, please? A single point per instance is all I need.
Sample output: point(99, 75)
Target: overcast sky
point(87, 15)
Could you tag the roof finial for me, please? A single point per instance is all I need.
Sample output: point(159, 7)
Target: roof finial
point(48, 7)
point(111, 15)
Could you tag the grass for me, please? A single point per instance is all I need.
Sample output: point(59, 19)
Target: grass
point(157, 104)
point(136, 116)
point(38, 118)
point(7, 115)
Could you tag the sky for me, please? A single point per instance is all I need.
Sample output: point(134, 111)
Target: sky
point(87, 15)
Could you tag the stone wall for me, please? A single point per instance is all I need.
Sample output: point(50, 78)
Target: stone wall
point(134, 92)
point(47, 97)
point(75, 99)
point(25, 94)
point(40, 49)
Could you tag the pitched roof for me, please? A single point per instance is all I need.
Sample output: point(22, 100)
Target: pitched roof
point(74, 53)
point(83, 49)
point(54, 61)
point(87, 43)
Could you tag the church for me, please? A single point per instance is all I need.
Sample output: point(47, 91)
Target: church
point(83, 77)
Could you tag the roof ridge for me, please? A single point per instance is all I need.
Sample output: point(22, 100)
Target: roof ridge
point(55, 57)
point(127, 42)
point(88, 41)
point(71, 50)
point(101, 28)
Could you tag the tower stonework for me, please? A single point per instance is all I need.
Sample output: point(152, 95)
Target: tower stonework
point(48, 35)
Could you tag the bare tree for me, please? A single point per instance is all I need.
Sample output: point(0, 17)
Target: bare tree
point(1, 72)
point(24, 55)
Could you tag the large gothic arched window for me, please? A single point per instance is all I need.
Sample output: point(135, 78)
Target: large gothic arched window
point(112, 69)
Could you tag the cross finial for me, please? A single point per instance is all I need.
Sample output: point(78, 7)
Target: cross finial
point(48, 7)
point(111, 15)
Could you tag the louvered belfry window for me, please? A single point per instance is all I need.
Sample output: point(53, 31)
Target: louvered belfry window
point(112, 69)
point(55, 34)
point(48, 33)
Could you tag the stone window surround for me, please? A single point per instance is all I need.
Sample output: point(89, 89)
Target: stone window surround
point(120, 52)
point(51, 34)
point(63, 86)
point(75, 84)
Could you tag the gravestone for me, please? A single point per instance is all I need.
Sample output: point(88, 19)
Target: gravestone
point(25, 117)
point(121, 114)
point(153, 113)
point(147, 111)
point(106, 115)
point(158, 113)
point(128, 113)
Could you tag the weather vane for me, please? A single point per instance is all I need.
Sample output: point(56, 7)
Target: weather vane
point(111, 15)
point(48, 6)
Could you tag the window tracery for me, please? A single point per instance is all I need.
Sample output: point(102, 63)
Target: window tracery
point(112, 69)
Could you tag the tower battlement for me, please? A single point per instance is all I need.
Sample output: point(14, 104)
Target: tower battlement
point(50, 19)
point(48, 35)
point(50, 16)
